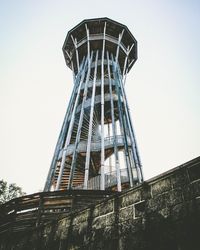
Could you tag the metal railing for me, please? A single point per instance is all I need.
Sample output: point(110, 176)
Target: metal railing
point(96, 145)
point(97, 100)
point(110, 180)
point(101, 37)
point(98, 83)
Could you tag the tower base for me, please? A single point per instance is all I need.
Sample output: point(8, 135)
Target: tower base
point(162, 213)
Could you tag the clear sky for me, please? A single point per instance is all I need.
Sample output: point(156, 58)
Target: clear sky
point(163, 86)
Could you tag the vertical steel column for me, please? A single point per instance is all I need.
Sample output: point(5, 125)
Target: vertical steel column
point(102, 114)
point(137, 152)
point(122, 122)
point(127, 156)
point(133, 139)
point(88, 40)
point(63, 131)
point(117, 167)
point(77, 79)
point(118, 45)
point(125, 63)
point(87, 163)
point(77, 56)
point(110, 160)
point(64, 154)
point(74, 75)
point(79, 125)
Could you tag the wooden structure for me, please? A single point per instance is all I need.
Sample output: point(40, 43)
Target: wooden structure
point(30, 212)
point(162, 213)
point(97, 148)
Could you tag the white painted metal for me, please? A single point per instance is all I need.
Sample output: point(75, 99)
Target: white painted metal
point(102, 115)
point(87, 163)
point(98, 86)
point(74, 76)
point(121, 119)
point(125, 69)
point(70, 57)
point(77, 56)
point(70, 130)
point(117, 166)
point(135, 154)
point(110, 159)
point(79, 125)
point(125, 64)
point(88, 40)
point(96, 37)
point(63, 131)
point(118, 46)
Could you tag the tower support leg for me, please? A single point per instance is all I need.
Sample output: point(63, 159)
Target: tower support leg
point(87, 162)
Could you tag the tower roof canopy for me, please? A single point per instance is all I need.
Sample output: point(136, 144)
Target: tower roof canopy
point(116, 34)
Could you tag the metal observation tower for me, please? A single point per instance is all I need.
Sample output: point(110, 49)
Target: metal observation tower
point(96, 148)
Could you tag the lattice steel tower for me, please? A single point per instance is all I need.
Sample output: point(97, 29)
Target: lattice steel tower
point(97, 148)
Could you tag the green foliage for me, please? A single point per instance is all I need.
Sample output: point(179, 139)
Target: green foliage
point(9, 191)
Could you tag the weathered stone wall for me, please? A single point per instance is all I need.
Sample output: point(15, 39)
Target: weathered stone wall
point(161, 214)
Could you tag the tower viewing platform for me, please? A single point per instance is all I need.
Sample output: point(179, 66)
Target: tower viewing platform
point(93, 32)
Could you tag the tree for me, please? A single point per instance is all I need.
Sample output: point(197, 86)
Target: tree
point(9, 191)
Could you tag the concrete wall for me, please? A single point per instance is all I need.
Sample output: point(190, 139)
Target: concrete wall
point(161, 214)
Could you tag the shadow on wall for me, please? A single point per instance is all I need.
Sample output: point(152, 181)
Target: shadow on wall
point(161, 214)
point(109, 226)
point(148, 230)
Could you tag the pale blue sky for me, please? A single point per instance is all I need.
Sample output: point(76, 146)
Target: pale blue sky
point(163, 87)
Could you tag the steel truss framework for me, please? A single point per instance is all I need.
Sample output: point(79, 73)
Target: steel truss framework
point(97, 148)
